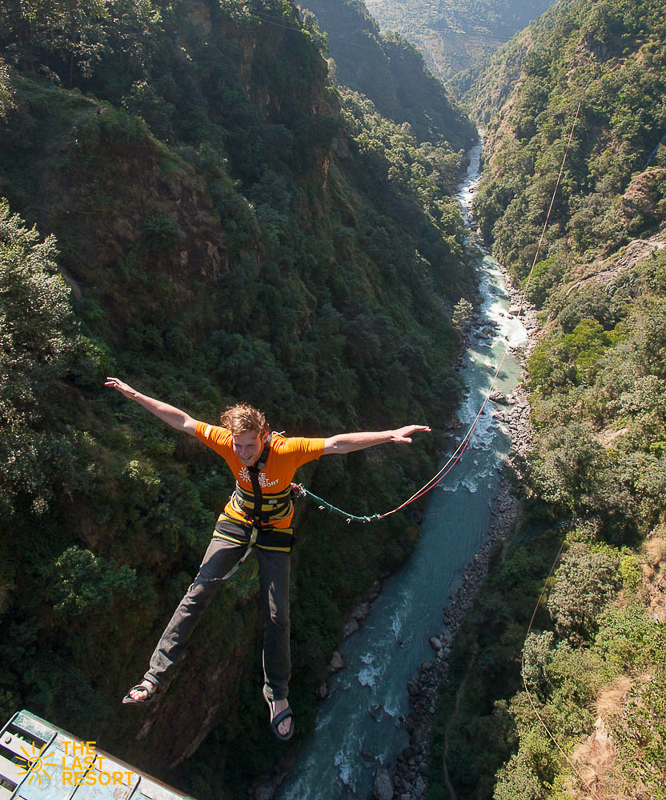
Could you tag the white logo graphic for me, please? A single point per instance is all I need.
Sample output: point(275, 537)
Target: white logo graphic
point(244, 475)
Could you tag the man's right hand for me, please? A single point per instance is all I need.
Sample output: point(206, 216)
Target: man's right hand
point(173, 416)
point(124, 388)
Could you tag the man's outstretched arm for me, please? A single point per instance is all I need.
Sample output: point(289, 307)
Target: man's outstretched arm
point(348, 442)
point(172, 416)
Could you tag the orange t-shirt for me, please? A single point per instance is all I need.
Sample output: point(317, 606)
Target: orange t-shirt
point(285, 456)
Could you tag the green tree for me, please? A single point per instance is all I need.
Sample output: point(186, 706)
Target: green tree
point(518, 780)
point(85, 583)
point(37, 346)
point(537, 655)
point(584, 583)
point(6, 91)
point(462, 312)
point(565, 467)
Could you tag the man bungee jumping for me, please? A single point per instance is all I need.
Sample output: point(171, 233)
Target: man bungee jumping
point(258, 516)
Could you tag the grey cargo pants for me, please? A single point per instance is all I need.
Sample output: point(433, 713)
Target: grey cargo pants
point(220, 558)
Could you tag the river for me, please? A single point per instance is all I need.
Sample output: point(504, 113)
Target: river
point(359, 725)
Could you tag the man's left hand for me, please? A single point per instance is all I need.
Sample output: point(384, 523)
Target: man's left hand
point(404, 435)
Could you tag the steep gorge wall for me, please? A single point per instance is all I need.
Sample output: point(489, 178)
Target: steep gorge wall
point(227, 233)
point(391, 72)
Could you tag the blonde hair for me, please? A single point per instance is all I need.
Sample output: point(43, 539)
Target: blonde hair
point(243, 418)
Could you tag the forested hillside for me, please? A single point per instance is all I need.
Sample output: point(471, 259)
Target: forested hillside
point(456, 35)
point(389, 71)
point(190, 206)
point(578, 708)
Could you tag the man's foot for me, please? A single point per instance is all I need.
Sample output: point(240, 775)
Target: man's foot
point(282, 717)
point(284, 728)
point(141, 693)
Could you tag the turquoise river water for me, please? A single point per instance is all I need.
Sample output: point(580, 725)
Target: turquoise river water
point(360, 723)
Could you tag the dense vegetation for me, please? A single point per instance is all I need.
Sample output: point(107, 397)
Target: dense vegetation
point(609, 61)
point(456, 35)
point(594, 659)
point(191, 207)
point(578, 708)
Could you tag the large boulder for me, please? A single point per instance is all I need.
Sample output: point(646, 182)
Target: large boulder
point(383, 786)
point(498, 397)
point(337, 662)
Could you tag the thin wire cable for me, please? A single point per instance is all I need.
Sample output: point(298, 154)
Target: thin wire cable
point(301, 29)
point(530, 697)
point(370, 35)
point(552, 199)
point(324, 505)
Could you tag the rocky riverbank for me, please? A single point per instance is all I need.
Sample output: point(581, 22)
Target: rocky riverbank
point(407, 779)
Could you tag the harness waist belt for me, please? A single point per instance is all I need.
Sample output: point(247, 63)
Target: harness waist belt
point(279, 539)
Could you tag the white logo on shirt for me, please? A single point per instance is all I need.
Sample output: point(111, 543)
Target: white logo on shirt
point(244, 475)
